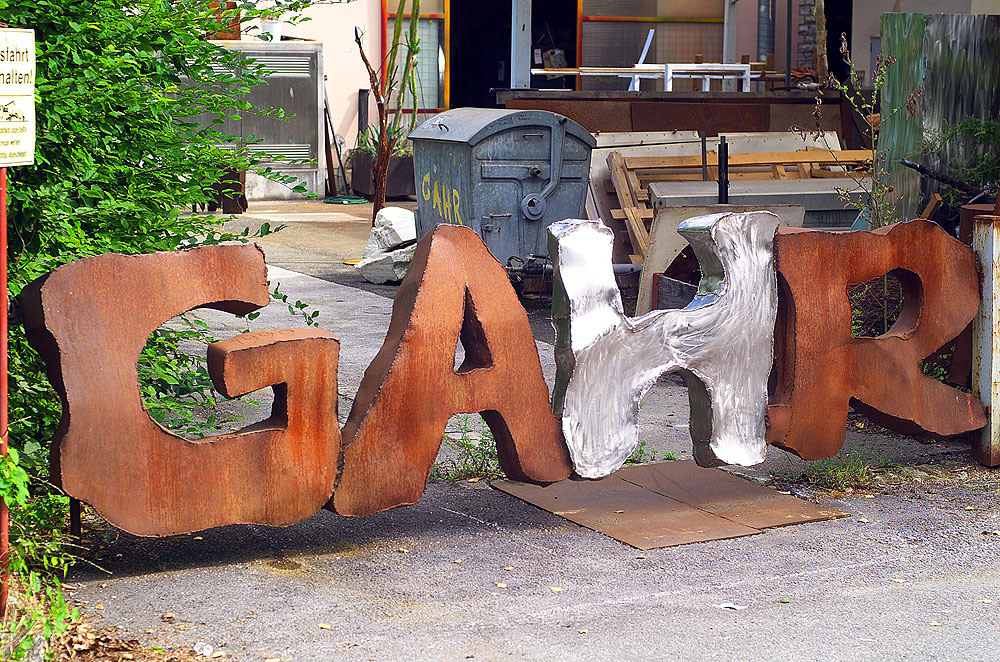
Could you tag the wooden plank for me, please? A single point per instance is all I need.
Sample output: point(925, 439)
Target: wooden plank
point(636, 231)
point(713, 176)
point(931, 207)
point(619, 177)
point(839, 157)
point(644, 214)
point(633, 183)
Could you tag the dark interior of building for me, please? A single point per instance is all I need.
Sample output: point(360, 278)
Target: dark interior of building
point(553, 27)
point(838, 22)
point(480, 52)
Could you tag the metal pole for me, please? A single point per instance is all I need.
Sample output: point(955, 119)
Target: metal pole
point(788, 47)
point(723, 171)
point(520, 44)
point(4, 516)
point(986, 340)
point(704, 156)
point(765, 29)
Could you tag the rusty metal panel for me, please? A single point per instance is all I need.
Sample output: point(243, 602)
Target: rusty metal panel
point(108, 451)
point(822, 369)
point(627, 512)
point(725, 495)
point(965, 218)
point(711, 118)
point(961, 359)
point(986, 339)
point(594, 115)
point(454, 290)
point(786, 116)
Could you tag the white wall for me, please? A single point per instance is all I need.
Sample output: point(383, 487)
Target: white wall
point(345, 73)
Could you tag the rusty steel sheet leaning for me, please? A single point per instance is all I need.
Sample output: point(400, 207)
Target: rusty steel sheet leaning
point(454, 290)
point(822, 369)
point(90, 320)
point(721, 343)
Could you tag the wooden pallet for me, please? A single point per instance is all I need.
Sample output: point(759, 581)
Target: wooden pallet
point(630, 177)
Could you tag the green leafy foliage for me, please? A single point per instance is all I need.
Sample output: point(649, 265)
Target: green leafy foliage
point(878, 203)
point(473, 453)
point(847, 471)
point(978, 141)
point(131, 98)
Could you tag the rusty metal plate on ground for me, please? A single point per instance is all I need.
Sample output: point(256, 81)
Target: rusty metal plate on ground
point(627, 512)
point(723, 494)
point(669, 504)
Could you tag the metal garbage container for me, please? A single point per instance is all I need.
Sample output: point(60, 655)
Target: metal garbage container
point(507, 174)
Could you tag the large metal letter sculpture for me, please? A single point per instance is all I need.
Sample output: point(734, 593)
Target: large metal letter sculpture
point(721, 343)
point(822, 369)
point(454, 289)
point(90, 320)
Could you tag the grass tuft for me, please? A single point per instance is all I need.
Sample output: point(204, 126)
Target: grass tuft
point(475, 454)
point(850, 471)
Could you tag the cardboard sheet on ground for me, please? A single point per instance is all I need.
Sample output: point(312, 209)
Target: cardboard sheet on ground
point(668, 504)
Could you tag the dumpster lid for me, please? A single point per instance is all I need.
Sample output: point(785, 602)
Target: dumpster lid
point(471, 125)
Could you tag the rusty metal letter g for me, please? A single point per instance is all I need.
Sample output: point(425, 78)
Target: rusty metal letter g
point(90, 320)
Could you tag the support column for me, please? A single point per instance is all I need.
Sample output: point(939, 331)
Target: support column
point(520, 44)
point(729, 28)
point(986, 340)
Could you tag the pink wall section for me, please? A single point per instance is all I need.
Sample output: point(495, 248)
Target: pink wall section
point(334, 24)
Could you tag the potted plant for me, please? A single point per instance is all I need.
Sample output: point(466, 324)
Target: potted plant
point(383, 149)
point(399, 177)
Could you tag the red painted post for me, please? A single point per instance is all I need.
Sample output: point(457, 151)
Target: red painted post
point(4, 523)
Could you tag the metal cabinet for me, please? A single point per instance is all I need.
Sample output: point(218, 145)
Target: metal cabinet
point(294, 144)
point(507, 174)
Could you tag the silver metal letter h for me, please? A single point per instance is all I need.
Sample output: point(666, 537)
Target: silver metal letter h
point(722, 342)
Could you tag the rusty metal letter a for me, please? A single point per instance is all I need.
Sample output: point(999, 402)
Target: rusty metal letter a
point(721, 343)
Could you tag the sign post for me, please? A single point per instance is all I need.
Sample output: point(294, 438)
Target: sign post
point(17, 147)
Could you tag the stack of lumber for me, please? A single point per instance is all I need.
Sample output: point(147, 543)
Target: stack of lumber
point(631, 175)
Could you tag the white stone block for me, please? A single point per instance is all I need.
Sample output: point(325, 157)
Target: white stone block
point(394, 226)
point(389, 266)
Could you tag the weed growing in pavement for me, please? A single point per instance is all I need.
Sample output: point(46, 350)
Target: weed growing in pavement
point(848, 471)
point(642, 456)
point(475, 454)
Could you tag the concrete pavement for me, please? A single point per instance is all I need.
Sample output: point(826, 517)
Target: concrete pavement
point(911, 575)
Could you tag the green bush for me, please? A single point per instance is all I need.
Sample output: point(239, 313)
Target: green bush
point(130, 100)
